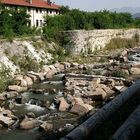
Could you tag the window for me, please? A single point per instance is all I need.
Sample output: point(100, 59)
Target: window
point(37, 23)
point(41, 22)
point(36, 10)
point(29, 23)
point(40, 10)
point(29, 9)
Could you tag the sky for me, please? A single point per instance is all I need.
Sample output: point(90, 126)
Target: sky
point(92, 5)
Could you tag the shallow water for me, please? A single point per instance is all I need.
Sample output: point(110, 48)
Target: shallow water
point(30, 104)
point(18, 135)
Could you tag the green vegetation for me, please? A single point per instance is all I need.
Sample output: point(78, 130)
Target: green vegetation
point(119, 73)
point(119, 43)
point(14, 22)
point(4, 78)
point(75, 20)
point(26, 63)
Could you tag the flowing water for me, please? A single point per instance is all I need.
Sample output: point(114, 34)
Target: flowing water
point(35, 103)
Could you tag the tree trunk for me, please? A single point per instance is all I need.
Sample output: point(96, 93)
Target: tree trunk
point(84, 130)
point(127, 130)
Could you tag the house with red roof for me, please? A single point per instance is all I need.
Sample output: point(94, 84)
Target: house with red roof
point(37, 9)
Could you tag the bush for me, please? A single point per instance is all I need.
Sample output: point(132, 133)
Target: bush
point(4, 78)
point(26, 63)
point(119, 73)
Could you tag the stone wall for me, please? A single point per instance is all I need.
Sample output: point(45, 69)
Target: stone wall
point(82, 40)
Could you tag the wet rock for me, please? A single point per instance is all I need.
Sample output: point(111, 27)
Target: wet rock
point(6, 121)
point(46, 126)
point(69, 127)
point(63, 104)
point(31, 115)
point(11, 94)
point(80, 109)
point(29, 123)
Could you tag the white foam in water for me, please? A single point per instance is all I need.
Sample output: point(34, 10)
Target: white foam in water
point(60, 93)
point(52, 107)
point(52, 82)
point(46, 94)
point(26, 93)
point(33, 107)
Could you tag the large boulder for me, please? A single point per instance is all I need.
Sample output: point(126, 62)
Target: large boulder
point(46, 126)
point(63, 104)
point(135, 71)
point(23, 83)
point(11, 94)
point(16, 88)
point(6, 121)
point(6, 117)
point(28, 80)
point(81, 109)
point(29, 123)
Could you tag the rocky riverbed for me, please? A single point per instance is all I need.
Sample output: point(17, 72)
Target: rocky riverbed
point(52, 102)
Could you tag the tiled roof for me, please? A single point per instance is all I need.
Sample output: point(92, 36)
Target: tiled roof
point(34, 3)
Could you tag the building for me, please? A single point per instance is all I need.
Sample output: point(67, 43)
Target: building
point(37, 9)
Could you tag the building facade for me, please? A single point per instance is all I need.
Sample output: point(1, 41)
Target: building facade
point(37, 9)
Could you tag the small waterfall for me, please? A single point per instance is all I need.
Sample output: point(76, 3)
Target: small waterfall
point(52, 106)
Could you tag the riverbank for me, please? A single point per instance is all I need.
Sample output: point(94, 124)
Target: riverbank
point(60, 96)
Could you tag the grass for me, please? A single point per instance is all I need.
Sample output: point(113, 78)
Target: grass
point(119, 43)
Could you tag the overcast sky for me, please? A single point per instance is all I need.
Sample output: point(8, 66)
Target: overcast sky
point(92, 5)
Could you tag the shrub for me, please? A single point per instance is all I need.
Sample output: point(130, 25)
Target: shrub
point(119, 73)
point(26, 63)
point(4, 78)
